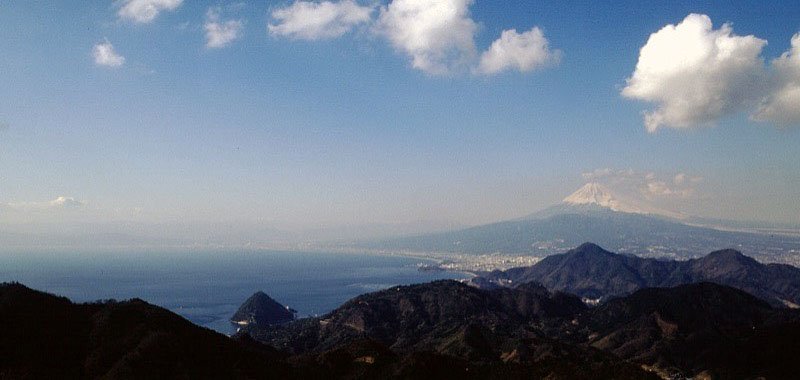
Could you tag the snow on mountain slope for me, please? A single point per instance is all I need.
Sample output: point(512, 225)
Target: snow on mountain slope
point(596, 194)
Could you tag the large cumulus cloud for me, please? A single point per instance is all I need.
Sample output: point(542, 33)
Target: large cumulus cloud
point(782, 105)
point(695, 74)
point(438, 36)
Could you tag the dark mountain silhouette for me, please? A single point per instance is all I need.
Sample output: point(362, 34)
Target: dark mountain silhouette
point(503, 331)
point(698, 329)
point(443, 316)
point(44, 336)
point(262, 309)
point(592, 272)
point(443, 329)
point(368, 359)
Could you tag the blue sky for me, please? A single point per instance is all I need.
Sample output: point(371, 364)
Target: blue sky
point(338, 123)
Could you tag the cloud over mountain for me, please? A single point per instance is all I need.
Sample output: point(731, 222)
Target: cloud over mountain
point(646, 185)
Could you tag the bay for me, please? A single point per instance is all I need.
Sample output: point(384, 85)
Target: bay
point(208, 287)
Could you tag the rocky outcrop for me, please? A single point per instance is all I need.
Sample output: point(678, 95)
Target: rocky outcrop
point(263, 310)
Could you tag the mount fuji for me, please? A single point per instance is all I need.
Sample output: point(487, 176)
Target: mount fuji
point(594, 197)
point(594, 214)
point(596, 194)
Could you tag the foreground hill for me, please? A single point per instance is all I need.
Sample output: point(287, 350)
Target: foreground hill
point(48, 337)
point(508, 332)
point(44, 336)
point(443, 329)
point(700, 329)
point(428, 317)
point(591, 272)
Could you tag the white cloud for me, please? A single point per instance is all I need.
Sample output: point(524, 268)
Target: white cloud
point(696, 74)
point(782, 105)
point(218, 32)
point(145, 11)
point(59, 203)
point(660, 188)
point(104, 55)
point(308, 20)
point(523, 52)
point(648, 184)
point(438, 35)
point(608, 172)
point(65, 202)
point(657, 185)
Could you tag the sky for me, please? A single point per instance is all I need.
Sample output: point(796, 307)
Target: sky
point(188, 115)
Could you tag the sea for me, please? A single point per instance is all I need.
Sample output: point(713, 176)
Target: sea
point(207, 287)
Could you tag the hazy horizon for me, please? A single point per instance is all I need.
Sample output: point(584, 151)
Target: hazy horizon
point(169, 121)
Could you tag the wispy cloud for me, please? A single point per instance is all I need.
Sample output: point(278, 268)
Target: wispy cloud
point(59, 203)
point(647, 184)
point(220, 33)
point(306, 20)
point(104, 55)
point(607, 172)
point(145, 11)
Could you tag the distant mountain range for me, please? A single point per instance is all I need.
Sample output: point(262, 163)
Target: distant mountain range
point(594, 214)
point(591, 272)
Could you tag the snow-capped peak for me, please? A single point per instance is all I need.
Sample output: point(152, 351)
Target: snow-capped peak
point(596, 194)
point(590, 193)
